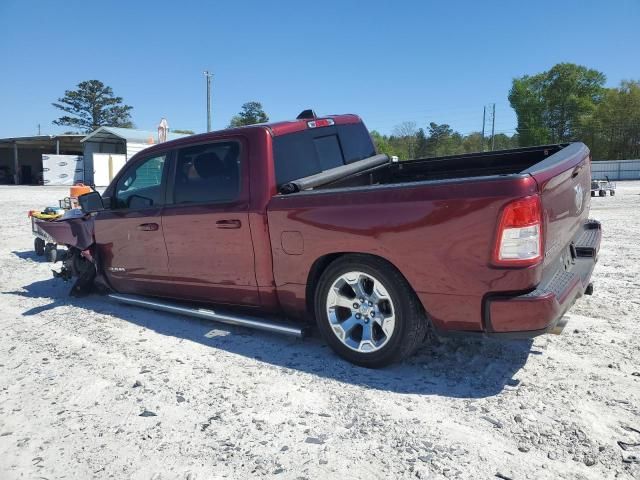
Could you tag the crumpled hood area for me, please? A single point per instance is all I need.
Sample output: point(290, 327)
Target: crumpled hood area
point(76, 232)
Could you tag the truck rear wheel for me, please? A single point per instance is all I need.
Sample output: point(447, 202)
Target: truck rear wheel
point(602, 193)
point(367, 312)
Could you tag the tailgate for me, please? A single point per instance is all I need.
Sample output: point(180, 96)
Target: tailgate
point(564, 181)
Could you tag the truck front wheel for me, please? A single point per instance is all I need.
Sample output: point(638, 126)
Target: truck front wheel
point(51, 252)
point(367, 312)
point(38, 245)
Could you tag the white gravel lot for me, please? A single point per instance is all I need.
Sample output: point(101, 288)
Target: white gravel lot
point(76, 374)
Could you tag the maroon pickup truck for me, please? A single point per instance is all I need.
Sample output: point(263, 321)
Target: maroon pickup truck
point(303, 220)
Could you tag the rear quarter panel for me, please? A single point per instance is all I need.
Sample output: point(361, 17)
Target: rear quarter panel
point(439, 235)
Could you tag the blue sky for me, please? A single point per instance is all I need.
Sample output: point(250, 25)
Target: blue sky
point(387, 61)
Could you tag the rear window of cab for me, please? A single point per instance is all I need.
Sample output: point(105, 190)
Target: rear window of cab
point(315, 150)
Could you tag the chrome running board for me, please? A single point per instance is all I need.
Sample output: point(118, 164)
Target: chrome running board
point(231, 319)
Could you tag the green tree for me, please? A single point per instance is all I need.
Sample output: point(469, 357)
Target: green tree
point(613, 132)
point(473, 143)
point(553, 106)
point(92, 105)
point(403, 140)
point(250, 114)
point(422, 144)
point(381, 143)
point(443, 140)
point(503, 142)
point(526, 99)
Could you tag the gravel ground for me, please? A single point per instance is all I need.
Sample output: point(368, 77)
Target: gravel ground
point(92, 389)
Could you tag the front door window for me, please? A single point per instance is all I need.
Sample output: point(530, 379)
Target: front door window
point(141, 185)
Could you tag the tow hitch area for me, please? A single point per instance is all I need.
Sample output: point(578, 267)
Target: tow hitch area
point(218, 316)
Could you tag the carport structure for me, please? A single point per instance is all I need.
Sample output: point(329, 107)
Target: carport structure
point(21, 157)
point(117, 141)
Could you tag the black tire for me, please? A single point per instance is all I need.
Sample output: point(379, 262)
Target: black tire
point(602, 193)
point(612, 193)
point(51, 251)
point(38, 246)
point(411, 324)
point(593, 194)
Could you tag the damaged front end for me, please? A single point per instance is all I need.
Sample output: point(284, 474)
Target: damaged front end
point(79, 264)
point(80, 260)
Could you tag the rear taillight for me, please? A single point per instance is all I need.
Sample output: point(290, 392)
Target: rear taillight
point(519, 238)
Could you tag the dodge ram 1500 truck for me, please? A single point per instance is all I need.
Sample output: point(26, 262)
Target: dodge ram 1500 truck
point(302, 219)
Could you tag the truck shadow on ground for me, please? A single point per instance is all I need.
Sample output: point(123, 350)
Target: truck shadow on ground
point(31, 255)
point(458, 368)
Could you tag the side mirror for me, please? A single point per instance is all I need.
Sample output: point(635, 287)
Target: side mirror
point(90, 202)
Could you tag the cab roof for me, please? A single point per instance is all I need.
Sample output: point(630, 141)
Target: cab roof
point(274, 128)
point(288, 126)
point(292, 126)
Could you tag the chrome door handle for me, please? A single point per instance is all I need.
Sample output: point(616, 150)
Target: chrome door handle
point(233, 223)
point(148, 227)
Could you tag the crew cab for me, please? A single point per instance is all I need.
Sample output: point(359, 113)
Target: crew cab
point(304, 220)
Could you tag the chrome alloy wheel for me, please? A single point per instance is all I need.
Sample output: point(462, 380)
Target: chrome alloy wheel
point(360, 312)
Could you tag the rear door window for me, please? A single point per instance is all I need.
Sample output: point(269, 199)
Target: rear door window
point(207, 173)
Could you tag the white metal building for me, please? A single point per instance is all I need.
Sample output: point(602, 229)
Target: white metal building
point(108, 148)
point(616, 170)
point(21, 157)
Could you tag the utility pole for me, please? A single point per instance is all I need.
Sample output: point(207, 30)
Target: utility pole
point(485, 122)
point(38, 129)
point(493, 127)
point(208, 76)
point(484, 117)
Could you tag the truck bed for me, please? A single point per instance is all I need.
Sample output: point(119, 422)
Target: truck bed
point(483, 164)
